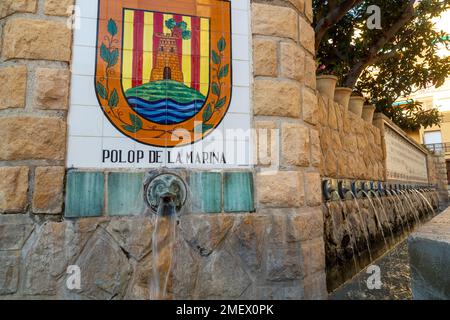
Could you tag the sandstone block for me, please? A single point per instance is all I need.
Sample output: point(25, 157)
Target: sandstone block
point(316, 152)
point(307, 35)
point(48, 190)
point(8, 7)
point(13, 189)
point(30, 137)
point(310, 72)
point(274, 21)
point(58, 7)
point(37, 40)
point(13, 88)
point(313, 185)
point(295, 144)
point(52, 88)
point(267, 142)
point(276, 98)
point(299, 4)
point(310, 107)
point(265, 58)
point(292, 61)
point(281, 189)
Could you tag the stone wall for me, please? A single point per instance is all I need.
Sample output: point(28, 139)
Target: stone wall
point(271, 249)
point(437, 173)
point(351, 148)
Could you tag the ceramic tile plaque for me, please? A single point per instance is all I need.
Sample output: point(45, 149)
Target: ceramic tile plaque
point(404, 161)
point(160, 83)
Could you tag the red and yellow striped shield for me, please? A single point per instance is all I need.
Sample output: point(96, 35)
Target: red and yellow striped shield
point(163, 71)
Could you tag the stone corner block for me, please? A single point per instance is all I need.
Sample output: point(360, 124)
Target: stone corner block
point(295, 144)
point(58, 7)
point(48, 190)
point(32, 137)
point(52, 88)
point(13, 88)
point(13, 189)
point(8, 7)
point(281, 189)
point(37, 40)
point(265, 57)
point(272, 20)
point(277, 98)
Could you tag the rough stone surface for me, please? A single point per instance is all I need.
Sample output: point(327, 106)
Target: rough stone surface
point(14, 231)
point(49, 138)
point(265, 62)
point(13, 89)
point(310, 107)
point(37, 40)
point(58, 7)
point(52, 88)
point(8, 7)
point(13, 189)
point(313, 185)
point(48, 190)
point(292, 61)
point(9, 271)
point(267, 141)
point(295, 144)
point(276, 98)
point(274, 21)
point(281, 189)
point(307, 35)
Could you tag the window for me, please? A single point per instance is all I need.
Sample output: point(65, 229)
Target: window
point(432, 137)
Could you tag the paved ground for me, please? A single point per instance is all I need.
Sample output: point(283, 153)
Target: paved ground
point(395, 278)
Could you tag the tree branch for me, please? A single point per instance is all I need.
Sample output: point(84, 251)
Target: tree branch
point(336, 13)
point(373, 53)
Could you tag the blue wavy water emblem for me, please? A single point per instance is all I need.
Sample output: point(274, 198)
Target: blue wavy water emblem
point(165, 111)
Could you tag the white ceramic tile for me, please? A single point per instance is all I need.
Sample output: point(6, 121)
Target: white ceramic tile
point(87, 8)
point(241, 73)
point(84, 152)
point(237, 121)
point(83, 62)
point(153, 157)
point(238, 153)
point(109, 130)
point(241, 47)
point(240, 4)
point(240, 22)
point(86, 32)
point(240, 101)
point(83, 91)
point(118, 153)
point(85, 121)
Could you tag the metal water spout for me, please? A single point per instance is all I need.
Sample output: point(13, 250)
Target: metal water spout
point(380, 189)
point(166, 194)
point(344, 188)
point(328, 188)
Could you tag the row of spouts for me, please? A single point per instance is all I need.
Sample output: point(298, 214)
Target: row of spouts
point(361, 189)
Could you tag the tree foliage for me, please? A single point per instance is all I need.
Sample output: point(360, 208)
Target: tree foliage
point(389, 63)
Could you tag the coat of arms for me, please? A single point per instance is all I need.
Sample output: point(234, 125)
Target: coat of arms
point(163, 72)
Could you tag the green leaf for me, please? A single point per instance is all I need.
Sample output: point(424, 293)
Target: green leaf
point(207, 114)
point(104, 53)
point(113, 57)
point(215, 57)
point(224, 71)
point(171, 23)
point(136, 124)
point(182, 25)
point(112, 27)
point(204, 127)
point(221, 45)
point(221, 102)
point(186, 35)
point(101, 90)
point(113, 99)
point(215, 88)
